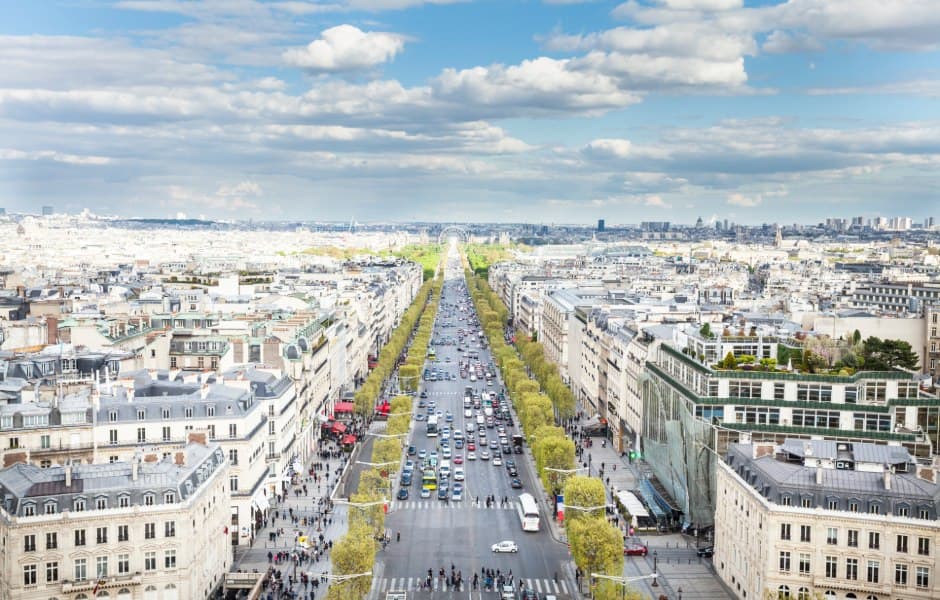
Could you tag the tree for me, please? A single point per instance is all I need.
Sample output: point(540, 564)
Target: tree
point(885, 355)
point(352, 553)
point(596, 545)
point(387, 450)
point(371, 518)
point(729, 362)
point(584, 491)
point(856, 337)
point(552, 452)
point(706, 331)
point(408, 377)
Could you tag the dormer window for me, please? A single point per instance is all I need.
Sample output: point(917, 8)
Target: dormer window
point(148, 499)
point(112, 416)
point(124, 501)
point(166, 413)
point(29, 510)
point(210, 411)
point(141, 414)
point(785, 500)
point(78, 505)
point(169, 497)
point(188, 412)
point(50, 507)
point(101, 503)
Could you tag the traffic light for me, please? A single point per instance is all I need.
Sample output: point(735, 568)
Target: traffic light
point(634, 455)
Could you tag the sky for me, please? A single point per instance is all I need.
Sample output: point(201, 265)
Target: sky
point(538, 111)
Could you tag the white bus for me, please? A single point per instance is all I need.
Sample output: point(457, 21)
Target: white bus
point(432, 426)
point(528, 512)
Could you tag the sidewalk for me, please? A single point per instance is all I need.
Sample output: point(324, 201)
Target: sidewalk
point(280, 531)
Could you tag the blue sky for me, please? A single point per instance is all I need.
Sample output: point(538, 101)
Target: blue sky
point(550, 111)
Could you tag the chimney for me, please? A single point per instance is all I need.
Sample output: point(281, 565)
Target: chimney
point(204, 392)
point(179, 459)
point(197, 437)
point(819, 475)
point(135, 468)
point(68, 475)
point(130, 393)
point(887, 478)
point(52, 330)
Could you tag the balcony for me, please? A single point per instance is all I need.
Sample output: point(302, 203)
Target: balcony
point(103, 583)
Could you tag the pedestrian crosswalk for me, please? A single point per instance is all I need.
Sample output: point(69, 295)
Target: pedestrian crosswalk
point(439, 504)
point(411, 584)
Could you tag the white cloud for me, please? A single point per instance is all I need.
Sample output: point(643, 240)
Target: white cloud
point(916, 87)
point(737, 199)
point(609, 148)
point(52, 155)
point(346, 48)
point(782, 42)
point(656, 202)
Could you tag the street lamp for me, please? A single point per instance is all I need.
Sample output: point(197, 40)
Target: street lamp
point(655, 564)
point(625, 580)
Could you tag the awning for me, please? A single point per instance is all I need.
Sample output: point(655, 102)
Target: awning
point(260, 502)
point(632, 504)
point(349, 439)
point(338, 427)
point(344, 407)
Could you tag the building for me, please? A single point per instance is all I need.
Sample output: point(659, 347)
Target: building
point(830, 520)
point(128, 530)
point(600, 225)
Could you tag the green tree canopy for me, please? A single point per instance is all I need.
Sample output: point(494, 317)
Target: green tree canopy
point(885, 355)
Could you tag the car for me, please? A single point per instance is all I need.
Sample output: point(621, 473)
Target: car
point(406, 479)
point(471, 455)
point(635, 550)
point(442, 492)
point(457, 496)
point(458, 460)
point(449, 418)
point(421, 404)
point(497, 460)
point(424, 394)
point(512, 471)
point(458, 487)
point(422, 454)
point(529, 594)
point(485, 455)
point(445, 453)
point(403, 493)
point(706, 552)
point(517, 449)
point(505, 546)
point(409, 464)
point(412, 450)
point(515, 483)
point(468, 413)
point(494, 444)
point(507, 450)
point(458, 474)
point(419, 417)
point(510, 463)
point(425, 493)
point(458, 444)
point(471, 446)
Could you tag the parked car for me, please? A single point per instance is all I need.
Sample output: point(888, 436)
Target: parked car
point(706, 552)
point(635, 550)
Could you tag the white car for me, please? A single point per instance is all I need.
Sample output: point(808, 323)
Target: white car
point(468, 413)
point(485, 455)
point(497, 461)
point(471, 455)
point(505, 546)
point(458, 474)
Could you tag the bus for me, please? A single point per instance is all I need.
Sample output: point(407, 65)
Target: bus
point(429, 480)
point(432, 355)
point(432, 426)
point(528, 512)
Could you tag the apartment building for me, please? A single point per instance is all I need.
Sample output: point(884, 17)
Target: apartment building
point(691, 405)
point(46, 433)
point(825, 519)
point(139, 529)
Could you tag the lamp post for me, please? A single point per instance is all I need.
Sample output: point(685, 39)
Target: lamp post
point(655, 564)
point(625, 580)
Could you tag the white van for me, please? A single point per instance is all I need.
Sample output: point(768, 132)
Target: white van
point(481, 420)
point(444, 470)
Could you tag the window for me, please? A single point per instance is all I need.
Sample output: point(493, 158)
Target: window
point(805, 564)
point(923, 513)
point(52, 572)
point(853, 506)
point(150, 561)
point(101, 503)
point(124, 501)
point(81, 569)
point(831, 568)
point(150, 531)
point(148, 499)
point(851, 395)
point(166, 433)
point(141, 414)
point(873, 569)
point(101, 535)
point(124, 564)
point(169, 498)
point(904, 511)
point(900, 574)
point(233, 483)
point(874, 509)
point(122, 533)
point(172, 362)
point(785, 500)
point(112, 437)
point(29, 574)
point(113, 459)
point(233, 456)
point(29, 543)
point(169, 559)
point(141, 434)
point(923, 577)
point(210, 411)
point(785, 562)
point(79, 504)
point(902, 543)
point(52, 540)
point(169, 529)
point(29, 510)
point(851, 568)
point(79, 537)
point(165, 413)
point(805, 533)
point(188, 412)
point(923, 546)
point(778, 391)
point(101, 566)
point(853, 538)
point(233, 430)
point(44, 442)
point(832, 536)
point(874, 540)
point(211, 432)
point(806, 502)
point(783, 591)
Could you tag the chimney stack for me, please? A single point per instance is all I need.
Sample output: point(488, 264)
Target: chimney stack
point(819, 475)
point(887, 478)
point(68, 475)
point(180, 459)
point(135, 468)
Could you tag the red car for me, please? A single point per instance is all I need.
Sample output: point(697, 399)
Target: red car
point(458, 460)
point(635, 550)
point(471, 446)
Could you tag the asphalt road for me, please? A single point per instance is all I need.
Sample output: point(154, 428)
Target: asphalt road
point(435, 534)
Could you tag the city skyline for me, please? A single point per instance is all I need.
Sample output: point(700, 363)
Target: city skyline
point(437, 110)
